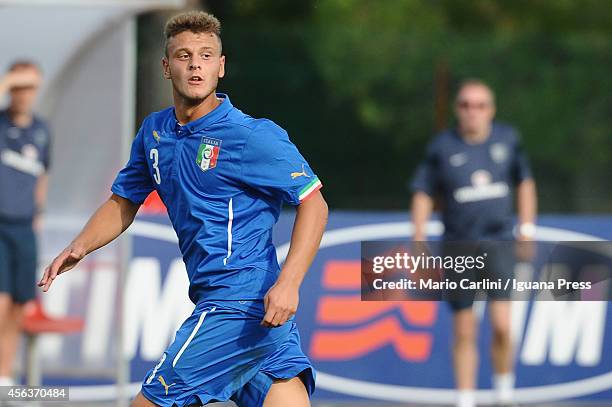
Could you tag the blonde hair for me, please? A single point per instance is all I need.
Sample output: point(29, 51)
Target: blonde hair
point(194, 21)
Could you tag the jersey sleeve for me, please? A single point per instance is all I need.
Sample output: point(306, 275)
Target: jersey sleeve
point(272, 165)
point(521, 170)
point(426, 175)
point(134, 181)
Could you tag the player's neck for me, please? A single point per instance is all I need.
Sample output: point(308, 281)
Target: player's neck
point(475, 136)
point(21, 119)
point(187, 112)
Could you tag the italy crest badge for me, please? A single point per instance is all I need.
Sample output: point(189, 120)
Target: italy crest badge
point(208, 153)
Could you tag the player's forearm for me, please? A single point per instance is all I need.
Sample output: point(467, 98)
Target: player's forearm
point(527, 201)
point(108, 222)
point(422, 206)
point(40, 193)
point(4, 84)
point(308, 229)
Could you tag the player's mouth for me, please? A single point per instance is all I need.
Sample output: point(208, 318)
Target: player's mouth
point(195, 80)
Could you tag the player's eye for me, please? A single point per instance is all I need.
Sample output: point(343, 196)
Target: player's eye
point(206, 56)
point(183, 56)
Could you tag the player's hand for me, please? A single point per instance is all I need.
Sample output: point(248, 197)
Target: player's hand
point(65, 261)
point(280, 303)
point(23, 79)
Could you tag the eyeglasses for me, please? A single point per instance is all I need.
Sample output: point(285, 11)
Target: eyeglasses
point(466, 105)
point(18, 88)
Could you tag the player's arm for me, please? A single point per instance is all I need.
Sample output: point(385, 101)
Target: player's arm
point(41, 189)
point(108, 222)
point(282, 299)
point(23, 78)
point(424, 186)
point(526, 194)
point(40, 199)
point(527, 208)
point(422, 206)
point(40, 192)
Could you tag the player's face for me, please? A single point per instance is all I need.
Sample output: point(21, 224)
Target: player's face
point(194, 64)
point(24, 97)
point(475, 108)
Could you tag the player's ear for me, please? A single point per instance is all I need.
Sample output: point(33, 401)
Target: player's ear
point(222, 67)
point(166, 67)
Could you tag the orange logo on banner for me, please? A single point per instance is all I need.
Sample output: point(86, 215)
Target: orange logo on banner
point(153, 204)
point(377, 326)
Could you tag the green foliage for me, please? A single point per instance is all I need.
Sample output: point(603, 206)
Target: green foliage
point(356, 83)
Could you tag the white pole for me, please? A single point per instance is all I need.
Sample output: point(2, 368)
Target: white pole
point(125, 243)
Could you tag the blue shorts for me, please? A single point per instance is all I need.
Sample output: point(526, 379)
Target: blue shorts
point(499, 265)
point(18, 259)
point(221, 352)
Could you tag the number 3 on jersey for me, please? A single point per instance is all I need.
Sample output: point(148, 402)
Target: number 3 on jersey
point(154, 155)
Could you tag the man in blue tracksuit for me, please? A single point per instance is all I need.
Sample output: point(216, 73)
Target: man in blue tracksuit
point(475, 170)
point(25, 143)
point(223, 176)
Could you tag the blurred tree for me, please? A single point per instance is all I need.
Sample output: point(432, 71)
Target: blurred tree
point(547, 61)
point(361, 86)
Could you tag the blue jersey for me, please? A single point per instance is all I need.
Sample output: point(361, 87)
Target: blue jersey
point(474, 181)
point(24, 156)
point(223, 179)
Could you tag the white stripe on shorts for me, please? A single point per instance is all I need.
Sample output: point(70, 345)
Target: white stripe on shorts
point(193, 333)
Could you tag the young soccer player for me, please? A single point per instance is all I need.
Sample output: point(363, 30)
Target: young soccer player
point(223, 176)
